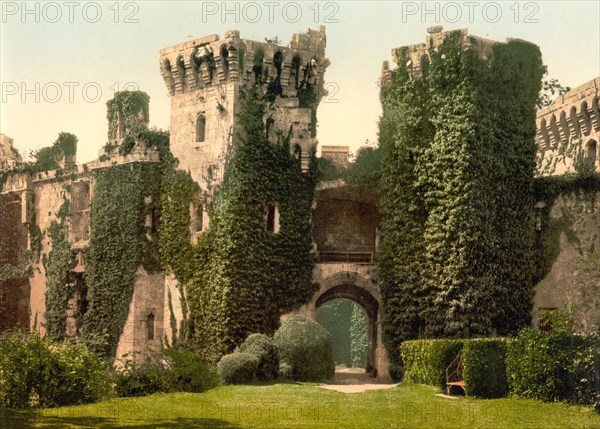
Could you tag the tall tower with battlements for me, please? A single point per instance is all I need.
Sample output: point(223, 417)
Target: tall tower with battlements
point(204, 77)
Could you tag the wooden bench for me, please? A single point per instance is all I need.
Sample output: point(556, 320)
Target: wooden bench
point(454, 374)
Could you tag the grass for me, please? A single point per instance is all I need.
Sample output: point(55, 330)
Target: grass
point(305, 405)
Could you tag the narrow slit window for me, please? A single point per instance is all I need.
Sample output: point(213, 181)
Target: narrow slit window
point(200, 128)
point(272, 220)
point(150, 326)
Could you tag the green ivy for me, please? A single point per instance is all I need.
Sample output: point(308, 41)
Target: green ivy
point(240, 278)
point(59, 262)
point(459, 151)
point(132, 107)
point(119, 244)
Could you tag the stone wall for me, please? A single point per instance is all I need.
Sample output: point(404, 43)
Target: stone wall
point(572, 242)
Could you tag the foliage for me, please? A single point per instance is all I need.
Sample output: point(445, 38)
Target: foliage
point(262, 347)
point(550, 89)
point(238, 368)
point(170, 371)
point(348, 325)
point(60, 260)
point(47, 158)
point(132, 109)
point(555, 365)
point(305, 346)
point(359, 337)
point(484, 370)
point(118, 246)
point(364, 171)
point(425, 361)
point(240, 277)
point(36, 372)
point(457, 173)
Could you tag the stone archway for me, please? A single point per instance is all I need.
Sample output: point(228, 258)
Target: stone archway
point(355, 283)
point(370, 306)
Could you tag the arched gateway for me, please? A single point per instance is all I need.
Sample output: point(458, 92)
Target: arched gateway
point(345, 233)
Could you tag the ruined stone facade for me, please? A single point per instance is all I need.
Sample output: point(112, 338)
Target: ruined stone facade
point(204, 77)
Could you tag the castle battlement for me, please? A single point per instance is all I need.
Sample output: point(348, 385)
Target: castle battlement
point(210, 61)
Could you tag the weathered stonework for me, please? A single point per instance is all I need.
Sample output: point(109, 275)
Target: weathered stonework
point(204, 77)
point(568, 131)
point(345, 218)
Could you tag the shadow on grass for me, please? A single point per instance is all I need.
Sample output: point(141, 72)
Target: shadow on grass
point(10, 419)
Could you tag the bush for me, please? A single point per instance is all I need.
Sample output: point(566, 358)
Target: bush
point(484, 367)
point(188, 372)
point(38, 373)
point(425, 361)
point(554, 366)
point(238, 368)
point(170, 371)
point(263, 348)
point(305, 346)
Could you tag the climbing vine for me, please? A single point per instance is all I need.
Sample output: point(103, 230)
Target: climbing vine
point(457, 176)
point(58, 263)
point(239, 276)
point(121, 242)
point(131, 108)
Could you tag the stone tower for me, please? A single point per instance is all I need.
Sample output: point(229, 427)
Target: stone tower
point(204, 77)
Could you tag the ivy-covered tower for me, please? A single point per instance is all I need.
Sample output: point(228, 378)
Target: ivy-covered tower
point(204, 76)
point(458, 138)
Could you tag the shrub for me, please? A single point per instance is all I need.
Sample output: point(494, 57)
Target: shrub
point(305, 346)
point(425, 361)
point(484, 368)
point(38, 373)
point(147, 378)
point(238, 368)
point(553, 366)
point(170, 371)
point(188, 372)
point(263, 348)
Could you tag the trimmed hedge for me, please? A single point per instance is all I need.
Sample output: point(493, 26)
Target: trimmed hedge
point(425, 361)
point(305, 346)
point(484, 368)
point(238, 368)
point(263, 348)
point(555, 366)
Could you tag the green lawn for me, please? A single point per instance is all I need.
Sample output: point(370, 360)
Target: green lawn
point(304, 405)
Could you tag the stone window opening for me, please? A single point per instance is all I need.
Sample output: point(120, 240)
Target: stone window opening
point(197, 215)
point(591, 152)
point(278, 63)
point(150, 327)
point(80, 211)
point(225, 59)
point(121, 126)
point(296, 62)
point(272, 219)
point(298, 154)
point(181, 69)
point(200, 128)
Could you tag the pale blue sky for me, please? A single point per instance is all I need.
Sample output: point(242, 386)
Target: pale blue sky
point(40, 56)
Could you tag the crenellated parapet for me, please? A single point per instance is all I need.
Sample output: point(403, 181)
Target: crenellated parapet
point(573, 115)
point(210, 61)
point(413, 56)
point(569, 130)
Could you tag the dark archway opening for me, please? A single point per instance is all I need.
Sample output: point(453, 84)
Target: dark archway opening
point(340, 326)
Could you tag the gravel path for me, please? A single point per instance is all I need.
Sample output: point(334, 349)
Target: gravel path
point(350, 381)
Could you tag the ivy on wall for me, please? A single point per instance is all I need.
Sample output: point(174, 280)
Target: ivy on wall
point(120, 242)
point(459, 157)
point(131, 108)
point(239, 276)
point(57, 265)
